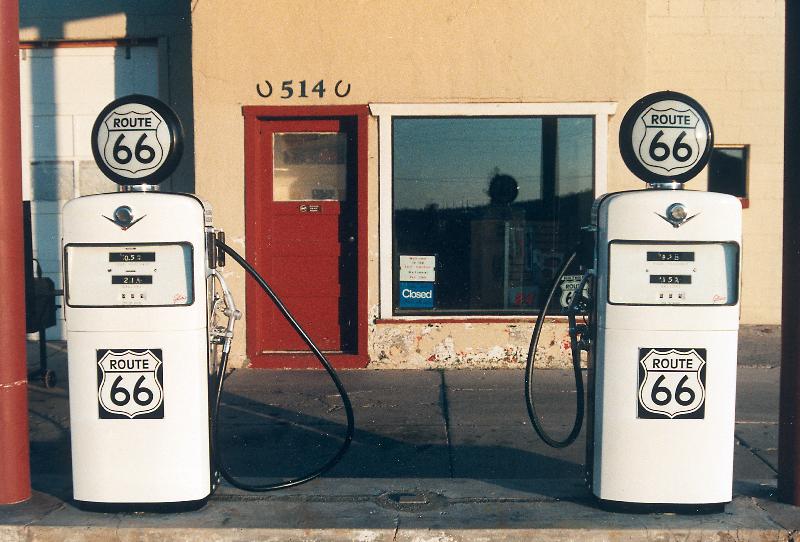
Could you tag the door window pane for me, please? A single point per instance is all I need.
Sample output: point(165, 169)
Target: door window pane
point(309, 166)
point(493, 204)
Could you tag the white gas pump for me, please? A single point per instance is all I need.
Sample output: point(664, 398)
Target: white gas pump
point(139, 276)
point(663, 319)
point(137, 331)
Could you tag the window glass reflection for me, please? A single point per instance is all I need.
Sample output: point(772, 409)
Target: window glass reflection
point(309, 166)
point(497, 202)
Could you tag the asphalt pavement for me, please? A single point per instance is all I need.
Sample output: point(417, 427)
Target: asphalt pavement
point(437, 455)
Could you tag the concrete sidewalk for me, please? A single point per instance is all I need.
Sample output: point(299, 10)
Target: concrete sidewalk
point(438, 455)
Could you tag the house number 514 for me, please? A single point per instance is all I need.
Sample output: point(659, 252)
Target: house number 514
point(301, 89)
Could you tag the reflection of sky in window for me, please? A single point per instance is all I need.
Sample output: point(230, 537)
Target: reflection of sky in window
point(450, 161)
point(575, 164)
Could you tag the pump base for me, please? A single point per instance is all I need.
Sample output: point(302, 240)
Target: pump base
point(663, 508)
point(154, 507)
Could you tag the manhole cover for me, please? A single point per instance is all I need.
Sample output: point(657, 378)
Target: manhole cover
point(412, 500)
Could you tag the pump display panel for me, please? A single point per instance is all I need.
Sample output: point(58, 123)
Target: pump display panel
point(642, 273)
point(141, 275)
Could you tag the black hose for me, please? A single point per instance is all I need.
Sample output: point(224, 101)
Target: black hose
point(348, 408)
point(576, 366)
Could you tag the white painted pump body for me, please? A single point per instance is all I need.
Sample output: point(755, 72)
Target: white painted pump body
point(679, 452)
point(153, 445)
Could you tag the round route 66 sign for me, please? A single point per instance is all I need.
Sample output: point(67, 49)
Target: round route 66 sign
point(137, 139)
point(666, 137)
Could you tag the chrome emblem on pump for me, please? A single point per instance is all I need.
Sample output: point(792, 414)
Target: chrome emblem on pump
point(677, 215)
point(123, 217)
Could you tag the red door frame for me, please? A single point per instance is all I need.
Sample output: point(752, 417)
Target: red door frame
point(255, 227)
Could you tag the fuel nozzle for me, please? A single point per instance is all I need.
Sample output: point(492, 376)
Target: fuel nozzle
point(224, 335)
point(580, 334)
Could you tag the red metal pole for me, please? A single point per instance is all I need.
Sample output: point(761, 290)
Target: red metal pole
point(789, 429)
point(15, 478)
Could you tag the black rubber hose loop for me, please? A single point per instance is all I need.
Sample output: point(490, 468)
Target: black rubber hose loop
point(348, 408)
point(576, 366)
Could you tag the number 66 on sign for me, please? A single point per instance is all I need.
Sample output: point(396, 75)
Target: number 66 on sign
point(137, 140)
point(672, 383)
point(666, 137)
point(130, 383)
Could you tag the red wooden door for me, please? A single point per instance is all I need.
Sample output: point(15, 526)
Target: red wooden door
point(303, 236)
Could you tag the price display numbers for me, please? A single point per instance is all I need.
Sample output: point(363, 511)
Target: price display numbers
point(670, 256)
point(670, 279)
point(131, 279)
point(124, 257)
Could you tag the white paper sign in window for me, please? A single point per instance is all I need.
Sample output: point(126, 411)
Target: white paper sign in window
point(418, 268)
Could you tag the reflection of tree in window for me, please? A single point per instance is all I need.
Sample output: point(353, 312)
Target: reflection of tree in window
point(454, 197)
point(503, 189)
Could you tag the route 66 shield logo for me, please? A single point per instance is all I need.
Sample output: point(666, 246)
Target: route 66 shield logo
point(669, 141)
point(137, 139)
point(130, 383)
point(132, 142)
point(672, 383)
point(570, 283)
point(666, 137)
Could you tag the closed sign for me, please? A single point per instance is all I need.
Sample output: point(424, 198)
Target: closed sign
point(418, 295)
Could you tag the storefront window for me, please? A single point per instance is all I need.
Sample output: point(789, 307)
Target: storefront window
point(485, 209)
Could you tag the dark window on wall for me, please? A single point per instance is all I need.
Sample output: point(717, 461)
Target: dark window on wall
point(727, 170)
point(492, 205)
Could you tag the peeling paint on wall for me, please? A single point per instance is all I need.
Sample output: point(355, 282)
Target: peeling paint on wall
point(420, 345)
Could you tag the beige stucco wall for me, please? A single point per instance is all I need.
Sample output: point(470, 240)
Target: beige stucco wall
point(492, 51)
